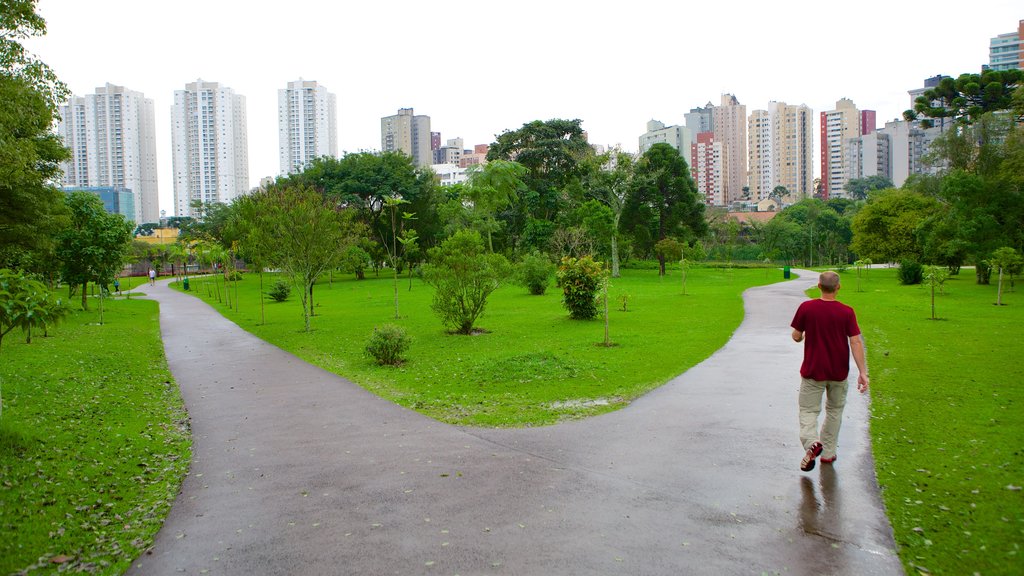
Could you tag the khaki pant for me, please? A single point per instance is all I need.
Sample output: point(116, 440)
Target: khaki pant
point(811, 392)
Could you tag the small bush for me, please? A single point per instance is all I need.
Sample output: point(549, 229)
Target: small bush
point(280, 291)
point(535, 272)
point(580, 279)
point(910, 272)
point(387, 344)
point(233, 276)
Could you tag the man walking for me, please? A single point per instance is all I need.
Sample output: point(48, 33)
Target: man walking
point(829, 331)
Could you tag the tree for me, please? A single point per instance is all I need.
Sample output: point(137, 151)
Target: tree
point(609, 180)
point(884, 229)
point(968, 97)
point(95, 246)
point(934, 276)
point(492, 187)
point(306, 229)
point(1004, 259)
point(19, 21)
point(463, 275)
point(580, 279)
point(858, 188)
point(666, 202)
point(32, 209)
point(391, 205)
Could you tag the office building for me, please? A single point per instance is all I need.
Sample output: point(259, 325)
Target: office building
point(115, 200)
point(112, 138)
point(307, 121)
point(408, 133)
point(210, 144)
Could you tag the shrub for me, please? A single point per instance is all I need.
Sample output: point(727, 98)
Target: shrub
point(535, 272)
point(910, 272)
point(280, 291)
point(580, 279)
point(387, 344)
point(463, 275)
point(233, 276)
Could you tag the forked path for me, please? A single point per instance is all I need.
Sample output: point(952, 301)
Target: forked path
point(298, 471)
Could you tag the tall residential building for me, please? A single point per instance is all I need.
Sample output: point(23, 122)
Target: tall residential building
point(781, 151)
point(837, 128)
point(1006, 51)
point(701, 119)
point(408, 133)
point(676, 136)
point(708, 168)
point(895, 151)
point(210, 142)
point(730, 128)
point(307, 125)
point(112, 138)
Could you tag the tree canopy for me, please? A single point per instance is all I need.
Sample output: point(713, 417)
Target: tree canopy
point(96, 244)
point(968, 97)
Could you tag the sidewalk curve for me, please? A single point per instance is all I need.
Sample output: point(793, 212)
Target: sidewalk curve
point(298, 471)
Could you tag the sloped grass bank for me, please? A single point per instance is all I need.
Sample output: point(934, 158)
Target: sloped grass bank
point(94, 442)
point(532, 365)
point(947, 420)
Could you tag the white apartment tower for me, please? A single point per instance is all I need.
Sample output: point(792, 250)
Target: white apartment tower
point(307, 121)
point(210, 143)
point(678, 137)
point(837, 128)
point(112, 138)
point(781, 151)
point(408, 133)
point(730, 129)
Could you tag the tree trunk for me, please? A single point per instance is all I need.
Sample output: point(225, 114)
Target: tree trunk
point(311, 311)
point(396, 292)
point(263, 315)
point(607, 339)
point(85, 296)
point(999, 291)
point(615, 256)
point(661, 264)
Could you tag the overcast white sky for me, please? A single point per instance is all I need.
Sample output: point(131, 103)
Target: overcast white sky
point(479, 68)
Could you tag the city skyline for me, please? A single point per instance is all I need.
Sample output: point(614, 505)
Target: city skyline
point(615, 70)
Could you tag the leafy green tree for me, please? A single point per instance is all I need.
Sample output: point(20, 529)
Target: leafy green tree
point(666, 203)
point(391, 205)
point(307, 231)
point(492, 187)
point(1007, 260)
point(535, 272)
point(935, 277)
point(580, 279)
point(463, 275)
point(858, 188)
point(609, 180)
point(885, 228)
point(95, 246)
point(19, 21)
point(32, 208)
point(552, 152)
point(967, 98)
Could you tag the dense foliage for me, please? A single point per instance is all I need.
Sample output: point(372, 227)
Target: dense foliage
point(580, 280)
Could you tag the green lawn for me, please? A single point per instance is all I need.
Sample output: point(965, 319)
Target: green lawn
point(533, 366)
point(947, 420)
point(93, 442)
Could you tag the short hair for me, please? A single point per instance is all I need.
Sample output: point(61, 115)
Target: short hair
point(828, 282)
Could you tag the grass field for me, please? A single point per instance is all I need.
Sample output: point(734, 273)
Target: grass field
point(948, 420)
point(533, 366)
point(93, 442)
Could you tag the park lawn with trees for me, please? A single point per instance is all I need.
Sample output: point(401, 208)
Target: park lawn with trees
point(94, 442)
point(532, 365)
point(946, 398)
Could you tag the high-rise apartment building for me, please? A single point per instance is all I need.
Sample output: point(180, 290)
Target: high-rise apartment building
point(1006, 51)
point(408, 133)
point(210, 143)
point(781, 151)
point(707, 167)
point(112, 138)
point(730, 128)
point(676, 136)
point(307, 125)
point(837, 128)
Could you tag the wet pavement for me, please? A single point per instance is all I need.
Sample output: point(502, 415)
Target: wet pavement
point(298, 471)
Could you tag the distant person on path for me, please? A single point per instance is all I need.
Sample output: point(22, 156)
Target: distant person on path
point(829, 331)
point(152, 277)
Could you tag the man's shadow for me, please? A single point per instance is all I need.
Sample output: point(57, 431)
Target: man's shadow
point(820, 505)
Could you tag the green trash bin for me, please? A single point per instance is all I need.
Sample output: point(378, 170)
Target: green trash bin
point(785, 273)
point(184, 283)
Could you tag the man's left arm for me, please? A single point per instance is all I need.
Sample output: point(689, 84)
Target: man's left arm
point(857, 347)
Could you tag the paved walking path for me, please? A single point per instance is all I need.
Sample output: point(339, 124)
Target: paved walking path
point(298, 471)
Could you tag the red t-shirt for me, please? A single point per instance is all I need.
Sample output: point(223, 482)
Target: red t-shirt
point(827, 326)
